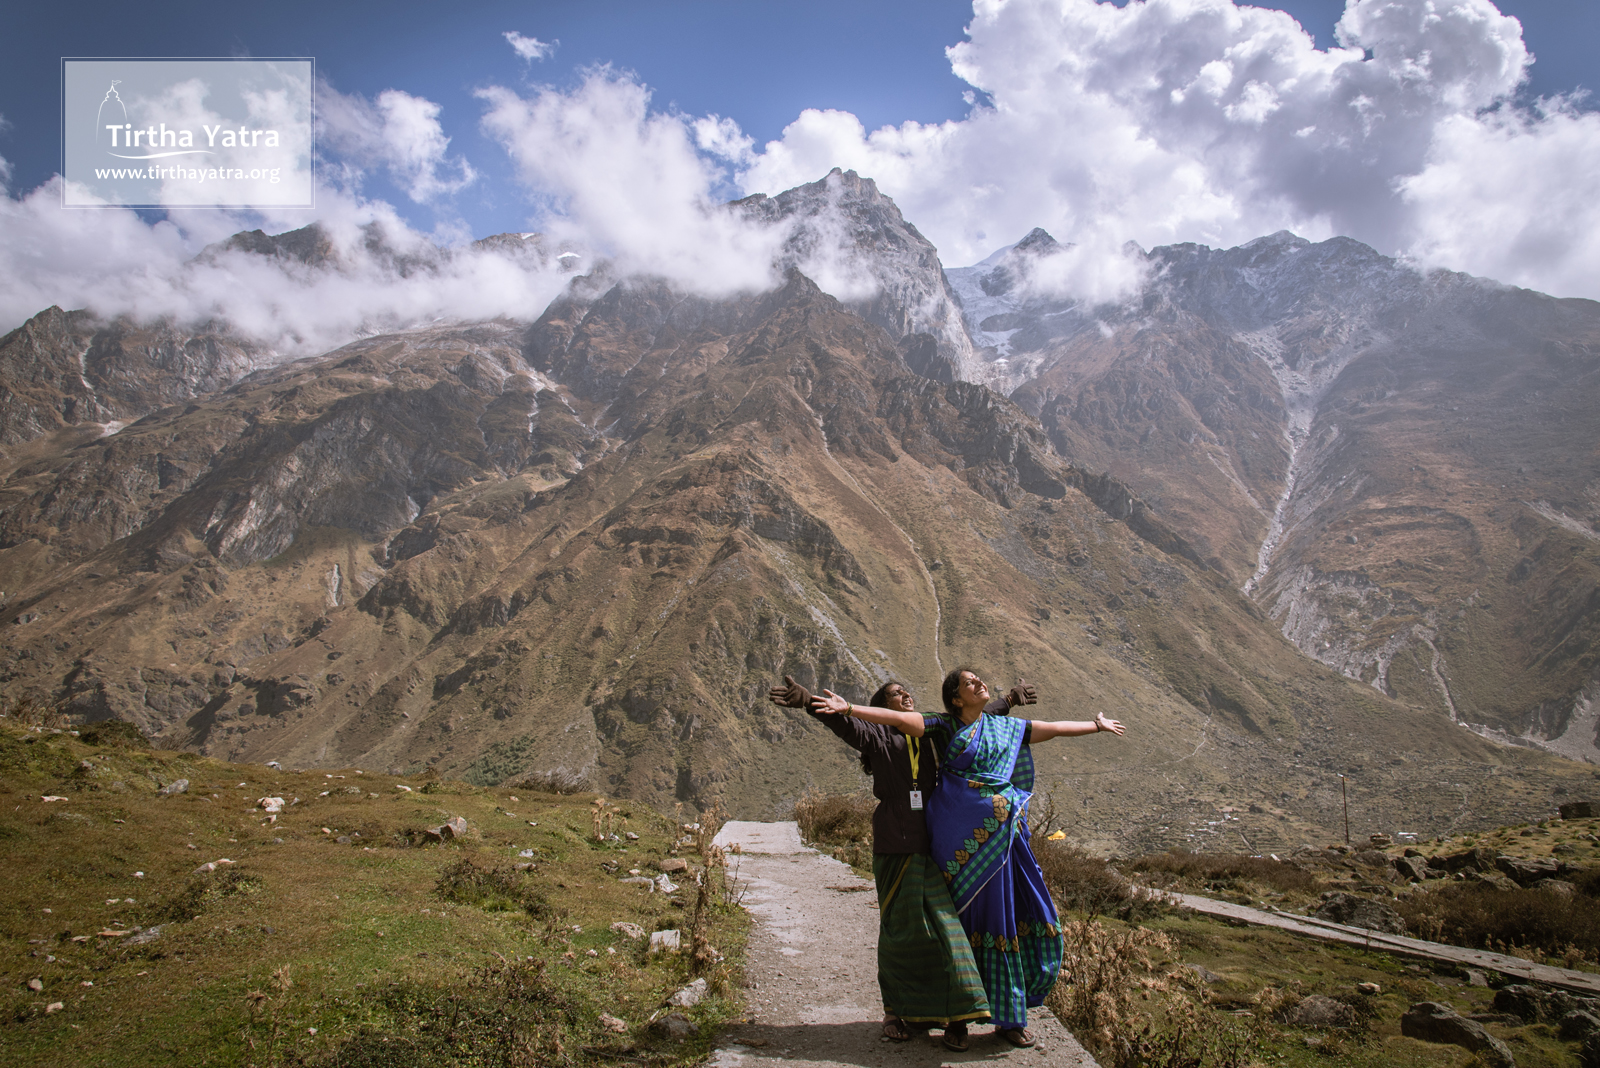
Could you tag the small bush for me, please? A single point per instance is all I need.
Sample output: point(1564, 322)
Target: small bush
point(205, 888)
point(115, 732)
point(1204, 871)
point(836, 819)
point(491, 889)
point(552, 782)
point(1478, 916)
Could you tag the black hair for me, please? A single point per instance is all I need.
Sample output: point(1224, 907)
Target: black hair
point(952, 684)
point(879, 700)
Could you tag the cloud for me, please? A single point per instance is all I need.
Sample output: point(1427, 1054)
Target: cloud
point(629, 183)
point(529, 48)
point(1202, 120)
point(385, 275)
point(398, 132)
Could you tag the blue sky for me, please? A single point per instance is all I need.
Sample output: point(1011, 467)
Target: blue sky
point(1444, 133)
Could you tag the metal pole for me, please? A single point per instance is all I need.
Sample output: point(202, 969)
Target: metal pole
point(1346, 795)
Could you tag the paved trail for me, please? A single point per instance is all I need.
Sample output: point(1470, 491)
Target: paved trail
point(812, 963)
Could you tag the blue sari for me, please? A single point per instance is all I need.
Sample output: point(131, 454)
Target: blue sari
point(978, 821)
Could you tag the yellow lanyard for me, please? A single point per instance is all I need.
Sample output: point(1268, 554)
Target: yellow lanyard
point(911, 750)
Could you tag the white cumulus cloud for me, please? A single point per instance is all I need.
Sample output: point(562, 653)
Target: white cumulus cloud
point(529, 48)
point(630, 183)
point(1204, 120)
point(398, 132)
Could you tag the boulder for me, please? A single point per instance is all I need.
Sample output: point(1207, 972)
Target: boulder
point(1578, 810)
point(672, 864)
point(1525, 1002)
point(632, 930)
point(1354, 911)
point(1480, 859)
point(1320, 1011)
point(177, 786)
point(1413, 869)
point(666, 942)
point(1528, 870)
point(1495, 879)
point(1430, 1021)
point(1579, 1025)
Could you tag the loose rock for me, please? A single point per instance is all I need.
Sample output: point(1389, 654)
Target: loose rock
point(1320, 1011)
point(666, 942)
point(632, 930)
point(676, 1025)
point(689, 996)
point(178, 786)
point(1430, 1021)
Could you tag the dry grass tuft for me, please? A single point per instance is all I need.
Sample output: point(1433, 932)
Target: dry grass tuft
point(1534, 923)
point(842, 822)
point(1217, 872)
point(1081, 882)
point(1119, 994)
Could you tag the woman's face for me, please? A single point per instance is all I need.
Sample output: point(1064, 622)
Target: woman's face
point(971, 692)
point(899, 698)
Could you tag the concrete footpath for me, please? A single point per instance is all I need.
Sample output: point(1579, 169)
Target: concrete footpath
point(813, 972)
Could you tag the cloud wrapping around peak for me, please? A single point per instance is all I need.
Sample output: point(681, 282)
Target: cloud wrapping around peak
point(530, 48)
point(630, 184)
point(1202, 120)
point(382, 275)
point(398, 132)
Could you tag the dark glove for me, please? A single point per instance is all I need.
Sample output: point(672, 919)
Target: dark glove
point(1022, 693)
point(790, 695)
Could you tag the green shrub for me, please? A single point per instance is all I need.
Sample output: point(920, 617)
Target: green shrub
point(493, 889)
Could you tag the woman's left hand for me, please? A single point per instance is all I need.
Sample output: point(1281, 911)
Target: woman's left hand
point(830, 702)
point(1101, 723)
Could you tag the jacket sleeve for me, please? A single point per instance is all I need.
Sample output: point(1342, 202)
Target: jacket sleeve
point(851, 731)
point(998, 707)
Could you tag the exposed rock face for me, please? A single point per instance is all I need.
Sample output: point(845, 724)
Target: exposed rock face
point(68, 369)
point(583, 548)
point(1398, 468)
point(883, 268)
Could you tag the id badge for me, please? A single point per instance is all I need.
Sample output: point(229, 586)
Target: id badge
point(916, 800)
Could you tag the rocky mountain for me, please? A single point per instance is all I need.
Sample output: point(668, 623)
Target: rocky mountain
point(585, 546)
point(1400, 468)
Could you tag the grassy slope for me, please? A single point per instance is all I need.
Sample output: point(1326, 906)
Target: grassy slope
point(377, 962)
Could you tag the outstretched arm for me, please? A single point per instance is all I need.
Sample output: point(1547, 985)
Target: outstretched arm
point(790, 695)
point(1040, 730)
point(909, 722)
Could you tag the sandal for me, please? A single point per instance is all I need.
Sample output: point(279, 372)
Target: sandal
point(895, 1029)
point(955, 1037)
point(1017, 1036)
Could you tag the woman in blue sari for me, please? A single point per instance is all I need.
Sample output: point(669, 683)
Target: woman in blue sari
point(978, 825)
